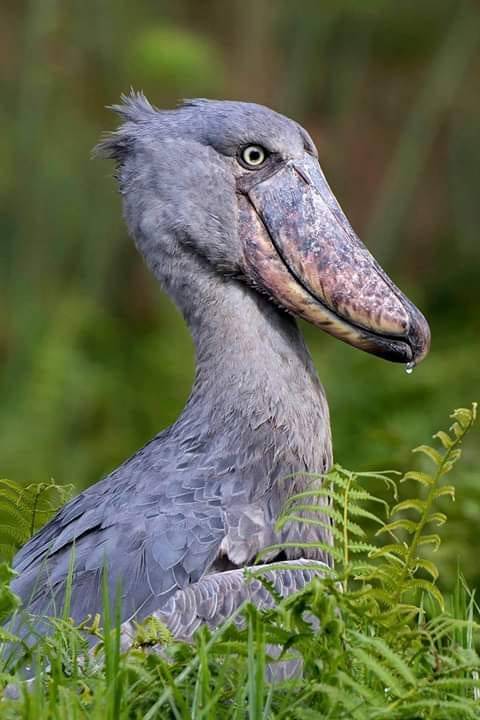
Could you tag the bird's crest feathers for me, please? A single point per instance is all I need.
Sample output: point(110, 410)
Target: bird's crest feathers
point(135, 110)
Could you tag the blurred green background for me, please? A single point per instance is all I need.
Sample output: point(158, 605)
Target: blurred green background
point(94, 360)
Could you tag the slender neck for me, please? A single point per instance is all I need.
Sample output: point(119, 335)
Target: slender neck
point(252, 366)
point(249, 353)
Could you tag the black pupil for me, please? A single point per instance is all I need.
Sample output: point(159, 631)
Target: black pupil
point(254, 156)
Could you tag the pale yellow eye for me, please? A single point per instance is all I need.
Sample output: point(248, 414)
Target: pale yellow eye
point(253, 156)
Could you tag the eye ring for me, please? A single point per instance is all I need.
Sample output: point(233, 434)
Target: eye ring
point(252, 157)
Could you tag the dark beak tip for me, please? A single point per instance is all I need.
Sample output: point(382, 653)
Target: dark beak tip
point(419, 337)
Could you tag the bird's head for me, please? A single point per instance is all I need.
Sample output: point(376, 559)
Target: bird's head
point(240, 186)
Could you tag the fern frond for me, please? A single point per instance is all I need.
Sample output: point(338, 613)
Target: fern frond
point(446, 710)
point(337, 534)
point(437, 517)
point(428, 566)
point(432, 539)
point(417, 583)
point(361, 547)
point(444, 438)
point(445, 490)
point(410, 504)
point(384, 650)
point(370, 695)
point(327, 510)
point(401, 524)
point(398, 549)
point(444, 462)
point(390, 680)
point(430, 452)
point(23, 510)
point(420, 477)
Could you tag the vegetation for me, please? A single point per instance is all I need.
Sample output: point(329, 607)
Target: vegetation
point(94, 360)
point(376, 637)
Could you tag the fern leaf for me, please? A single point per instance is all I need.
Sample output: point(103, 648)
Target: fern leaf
point(354, 529)
point(399, 549)
point(391, 682)
point(321, 523)
point(359, 493)
point(465, 417)
point(398, 613)
point(384, 596)
point(323, 492)
point(453, 457)
point(369, 694)
point(421, 477)
point(10, 491)
point(358, 511)
point(429, 566)
point(450, 709)
point(378, 584)
point(327, 510)
point(23, 510)
point(457, 429)
point(428, 587)
point(11, 536)
point(8, 600)
point(445, 490)
point(442, 625)
point(438, 518)
point(445, 439)
point(432, 539)
point(410, 504)
point(151, 632)
point(456, 683)
point(396, 663)
point(12, 515)
point(359, 547)
point(401, 524)
point(390, 482)
point(430, 452)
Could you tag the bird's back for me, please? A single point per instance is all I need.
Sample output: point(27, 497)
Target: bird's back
point(151, 525)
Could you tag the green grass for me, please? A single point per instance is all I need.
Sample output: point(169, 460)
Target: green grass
point(377, 638)
point(93, 363)
point(93, 360)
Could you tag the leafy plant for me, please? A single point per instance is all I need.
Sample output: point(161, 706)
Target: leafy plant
point(402, 561)
point(23, 510)
point(391, 575)
point(376, 638)
point(397, 650)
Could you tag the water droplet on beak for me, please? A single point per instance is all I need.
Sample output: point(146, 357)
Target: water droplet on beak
point(410, 367)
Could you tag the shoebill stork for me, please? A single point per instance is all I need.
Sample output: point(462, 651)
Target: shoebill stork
point(227, 203)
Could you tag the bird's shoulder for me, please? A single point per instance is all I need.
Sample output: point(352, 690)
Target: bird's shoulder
point(153, 516)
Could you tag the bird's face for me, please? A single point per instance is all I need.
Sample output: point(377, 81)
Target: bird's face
point(241, 186)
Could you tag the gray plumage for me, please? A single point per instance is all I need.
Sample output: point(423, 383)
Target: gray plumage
point(203, 495)
point(219, 596)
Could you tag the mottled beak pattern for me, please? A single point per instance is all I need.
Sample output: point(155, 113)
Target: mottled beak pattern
point(300, 248)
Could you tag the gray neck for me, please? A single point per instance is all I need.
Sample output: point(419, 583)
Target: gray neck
point(253, 367)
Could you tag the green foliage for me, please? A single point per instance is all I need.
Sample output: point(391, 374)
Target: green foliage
point(9, 602)
point(93, 359)
point(376, 638)
point(24, 509)
point(390, 580)
point(151, 632)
